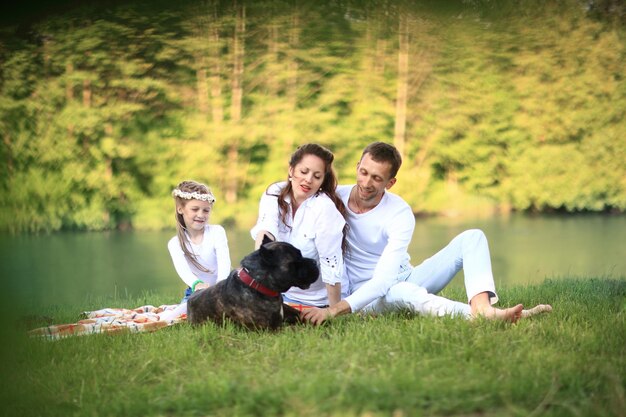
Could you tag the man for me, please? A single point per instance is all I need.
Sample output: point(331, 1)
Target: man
point(377, 263)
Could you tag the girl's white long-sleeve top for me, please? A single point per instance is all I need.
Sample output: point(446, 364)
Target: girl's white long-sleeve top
point(212, 253)
point(316, 229)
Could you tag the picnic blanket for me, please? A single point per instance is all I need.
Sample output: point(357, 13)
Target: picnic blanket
point(117, 320)
point(298, 306)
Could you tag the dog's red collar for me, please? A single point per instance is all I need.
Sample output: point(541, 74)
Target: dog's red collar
point(255, 285)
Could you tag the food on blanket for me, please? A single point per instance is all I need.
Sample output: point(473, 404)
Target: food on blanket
point(114, 320)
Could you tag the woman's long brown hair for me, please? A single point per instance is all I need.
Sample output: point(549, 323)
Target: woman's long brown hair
point(328, 187)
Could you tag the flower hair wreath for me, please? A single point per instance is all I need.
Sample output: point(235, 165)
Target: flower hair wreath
point(193, 196)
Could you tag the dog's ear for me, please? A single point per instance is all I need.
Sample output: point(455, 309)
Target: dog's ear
point(268, 257)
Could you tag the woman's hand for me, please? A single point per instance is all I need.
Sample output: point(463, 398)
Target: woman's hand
point(334, 293)
point(262, 238)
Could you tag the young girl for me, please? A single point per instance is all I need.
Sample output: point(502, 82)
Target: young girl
point(201, 258)
point(199, 250)
point(306, 212)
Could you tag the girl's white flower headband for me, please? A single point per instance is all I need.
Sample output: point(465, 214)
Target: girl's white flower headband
point(193, 196)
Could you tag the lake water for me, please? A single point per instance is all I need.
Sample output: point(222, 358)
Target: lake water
point(74, 267)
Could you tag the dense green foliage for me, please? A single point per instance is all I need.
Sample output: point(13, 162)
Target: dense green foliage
point(567, 363)
point(495, 105)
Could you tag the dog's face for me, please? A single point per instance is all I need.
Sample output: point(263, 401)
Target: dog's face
point(280, 266)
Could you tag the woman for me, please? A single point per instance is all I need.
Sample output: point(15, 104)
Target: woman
point(306, 212)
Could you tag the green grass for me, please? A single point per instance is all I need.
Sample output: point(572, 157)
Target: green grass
point(570, 362)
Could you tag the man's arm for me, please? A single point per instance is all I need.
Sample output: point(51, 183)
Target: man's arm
point(384, 277)
point(399, 232)
point(399, 235)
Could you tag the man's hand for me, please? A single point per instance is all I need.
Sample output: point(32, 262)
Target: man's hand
point(316, 316)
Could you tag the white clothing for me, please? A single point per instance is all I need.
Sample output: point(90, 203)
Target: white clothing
point(379, 272)
point(212, 254)
point(316, 229)
point(377, 247)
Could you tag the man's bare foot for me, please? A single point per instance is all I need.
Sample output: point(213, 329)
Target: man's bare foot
point(541, 308)
point(512, 314)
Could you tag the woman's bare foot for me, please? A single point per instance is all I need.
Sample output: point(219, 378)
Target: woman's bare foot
point(512, 314)
point(541, 308)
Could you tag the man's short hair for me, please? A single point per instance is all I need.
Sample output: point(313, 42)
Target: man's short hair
point(384, 152)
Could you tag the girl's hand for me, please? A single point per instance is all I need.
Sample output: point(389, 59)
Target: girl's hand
point(201, 286)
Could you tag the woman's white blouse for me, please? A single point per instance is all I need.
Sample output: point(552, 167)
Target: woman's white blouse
point(212, 253)
point(316, 229)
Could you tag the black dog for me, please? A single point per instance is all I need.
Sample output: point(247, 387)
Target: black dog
point(251, 295)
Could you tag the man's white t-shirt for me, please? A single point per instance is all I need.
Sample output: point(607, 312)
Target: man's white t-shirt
point(378, 241)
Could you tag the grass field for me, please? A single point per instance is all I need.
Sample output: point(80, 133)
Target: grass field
point(571, 362)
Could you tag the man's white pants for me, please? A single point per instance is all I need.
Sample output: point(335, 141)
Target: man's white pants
point(417, 287)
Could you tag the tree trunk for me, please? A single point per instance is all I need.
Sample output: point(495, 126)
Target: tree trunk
point(272, 63)
point(201, 80)
point(87, 104)
point(87, 93)
point(272, 89)
point(238, 51)
point(108, 174)
point(381, 50)
point(401, 96)
point(235, 110)
point(217, 105)
point(7, 145)
point(69, 87)
point(69, 94)
point(45, 48)
point(292, 80)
